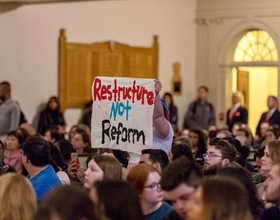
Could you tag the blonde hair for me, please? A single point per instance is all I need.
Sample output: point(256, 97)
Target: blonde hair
point(17, 197)
point(241, 97)
point(225, 198)
point(274, 149)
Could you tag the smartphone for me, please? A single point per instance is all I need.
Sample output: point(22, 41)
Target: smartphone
point(75, 158)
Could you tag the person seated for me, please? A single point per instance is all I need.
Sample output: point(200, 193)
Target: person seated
point(272, 133)
point(36, 159)
point(245, 177)
point(178, 182)
point(173, 111)
point(219, 198)
point(59, 166)
point(126, 207)
point(87, 113)
point(81, 142)
point(67, 203)
point(155, 157)
point(65, 148)
point(17, 197)
point(181, 150)
point(99, 167)
point(13, 150)
point(4, 168)
point(271, 155)
point(146, 179)
point(260, 137)
point(272, 192)
point(51, 117)
point(52, 135)
point(220, 153)
point(198, 140)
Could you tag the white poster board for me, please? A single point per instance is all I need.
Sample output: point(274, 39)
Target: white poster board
point(122, 113)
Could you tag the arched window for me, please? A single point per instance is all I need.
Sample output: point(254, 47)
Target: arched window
point(256, 46)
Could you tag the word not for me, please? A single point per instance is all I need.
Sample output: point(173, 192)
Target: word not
point(119, 108)
point(116, 93)
point(121, 133)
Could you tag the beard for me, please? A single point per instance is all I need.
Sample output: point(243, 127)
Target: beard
point(212, 170)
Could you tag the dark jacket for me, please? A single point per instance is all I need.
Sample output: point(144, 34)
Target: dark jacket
point(200, 116)
point(274, 120)
point(49, 119)
point(241, 115)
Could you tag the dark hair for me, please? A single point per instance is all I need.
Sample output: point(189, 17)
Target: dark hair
point(66, 148)
point(201, 138)
point(85, 136)
point(245, 177)
point(180, 171)
point(259, 153)
point(6, 85)
point(157, 156)
point(274, 130)
point(56, 158)
point(24, 133)
point(274, 98)
point(53, 133)
point(53, 98)
point(37, 150)
point(127, 206)
point(69, 203)
point(228, 151)
point(243, 150)
point(203, 87)
point(240, 159)
point(17, 135)
point(245, 130)
point(171, 100)
point(179, 150)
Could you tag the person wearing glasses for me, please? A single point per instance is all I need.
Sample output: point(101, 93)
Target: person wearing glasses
point(219, 154)
point(146, 179)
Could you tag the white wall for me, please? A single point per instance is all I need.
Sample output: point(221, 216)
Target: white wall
point(29, 35)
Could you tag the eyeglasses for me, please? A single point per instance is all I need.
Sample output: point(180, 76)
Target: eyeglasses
point(154, 187)
point(211, 155)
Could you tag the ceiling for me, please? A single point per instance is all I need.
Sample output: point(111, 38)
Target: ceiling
point(37, 1)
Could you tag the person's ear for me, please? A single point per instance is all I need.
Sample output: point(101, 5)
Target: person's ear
point(225, 161)
point(157, 166)
point(24, 158)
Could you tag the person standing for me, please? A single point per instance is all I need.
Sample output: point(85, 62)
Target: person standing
point(173, 110)
point(162, 129)
point(9, 111)
point(272, 116)
point(200, 113)
point(51, 117)
point(237, 113)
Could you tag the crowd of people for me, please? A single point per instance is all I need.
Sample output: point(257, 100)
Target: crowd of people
point(198, 173)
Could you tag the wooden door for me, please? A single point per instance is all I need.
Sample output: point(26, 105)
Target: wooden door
point(243, 85)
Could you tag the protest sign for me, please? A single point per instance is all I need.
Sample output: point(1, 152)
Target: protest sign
point(122, 113)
